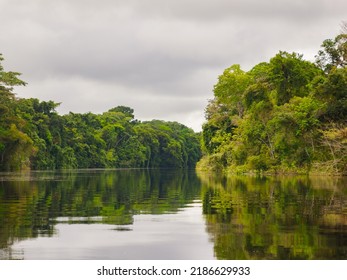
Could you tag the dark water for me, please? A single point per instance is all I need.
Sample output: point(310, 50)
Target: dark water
point(167, 214)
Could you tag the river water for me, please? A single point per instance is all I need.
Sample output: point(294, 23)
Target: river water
point(170, 214)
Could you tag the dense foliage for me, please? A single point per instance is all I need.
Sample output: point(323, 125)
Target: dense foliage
point(33, 135)
point(285, 115)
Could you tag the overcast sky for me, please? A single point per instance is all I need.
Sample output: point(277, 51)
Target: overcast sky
point(160, 57)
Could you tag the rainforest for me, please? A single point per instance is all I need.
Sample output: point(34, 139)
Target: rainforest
point(34, 136)
point(108, 186)
point(286, 115)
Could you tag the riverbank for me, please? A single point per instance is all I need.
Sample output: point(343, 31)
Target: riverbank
point(317, 169)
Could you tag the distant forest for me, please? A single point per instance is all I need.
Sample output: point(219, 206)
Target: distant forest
point(287, 115)
point(34, 136)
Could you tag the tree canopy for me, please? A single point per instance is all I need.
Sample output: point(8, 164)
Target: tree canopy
point(33, 135)
point(285, 115)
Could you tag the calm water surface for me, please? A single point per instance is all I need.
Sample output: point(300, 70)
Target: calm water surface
point(167, 214)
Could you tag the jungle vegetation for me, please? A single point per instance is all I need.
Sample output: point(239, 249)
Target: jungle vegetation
point(287, 115)
point(34, 136)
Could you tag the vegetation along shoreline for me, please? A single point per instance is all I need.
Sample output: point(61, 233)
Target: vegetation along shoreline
point(284, 116)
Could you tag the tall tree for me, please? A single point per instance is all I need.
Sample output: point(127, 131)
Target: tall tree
point(333, 53)
point(16, 147)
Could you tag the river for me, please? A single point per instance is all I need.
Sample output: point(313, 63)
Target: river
point(135, 214)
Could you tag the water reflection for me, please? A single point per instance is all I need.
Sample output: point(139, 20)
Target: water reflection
point(276, 218)
point(38, 204)
point(167, 214)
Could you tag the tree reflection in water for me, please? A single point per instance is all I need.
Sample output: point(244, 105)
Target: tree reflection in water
point(276, 217)
point(245, 217)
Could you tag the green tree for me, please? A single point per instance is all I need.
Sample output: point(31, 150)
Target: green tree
point(332, 90)
point(16, 147)
point(291, 76)
point(333, 53)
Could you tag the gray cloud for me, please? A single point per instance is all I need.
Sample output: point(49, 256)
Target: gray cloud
point(159, 57)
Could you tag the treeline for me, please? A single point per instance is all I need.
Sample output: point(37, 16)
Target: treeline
point(285, 115)
point(33, 135)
